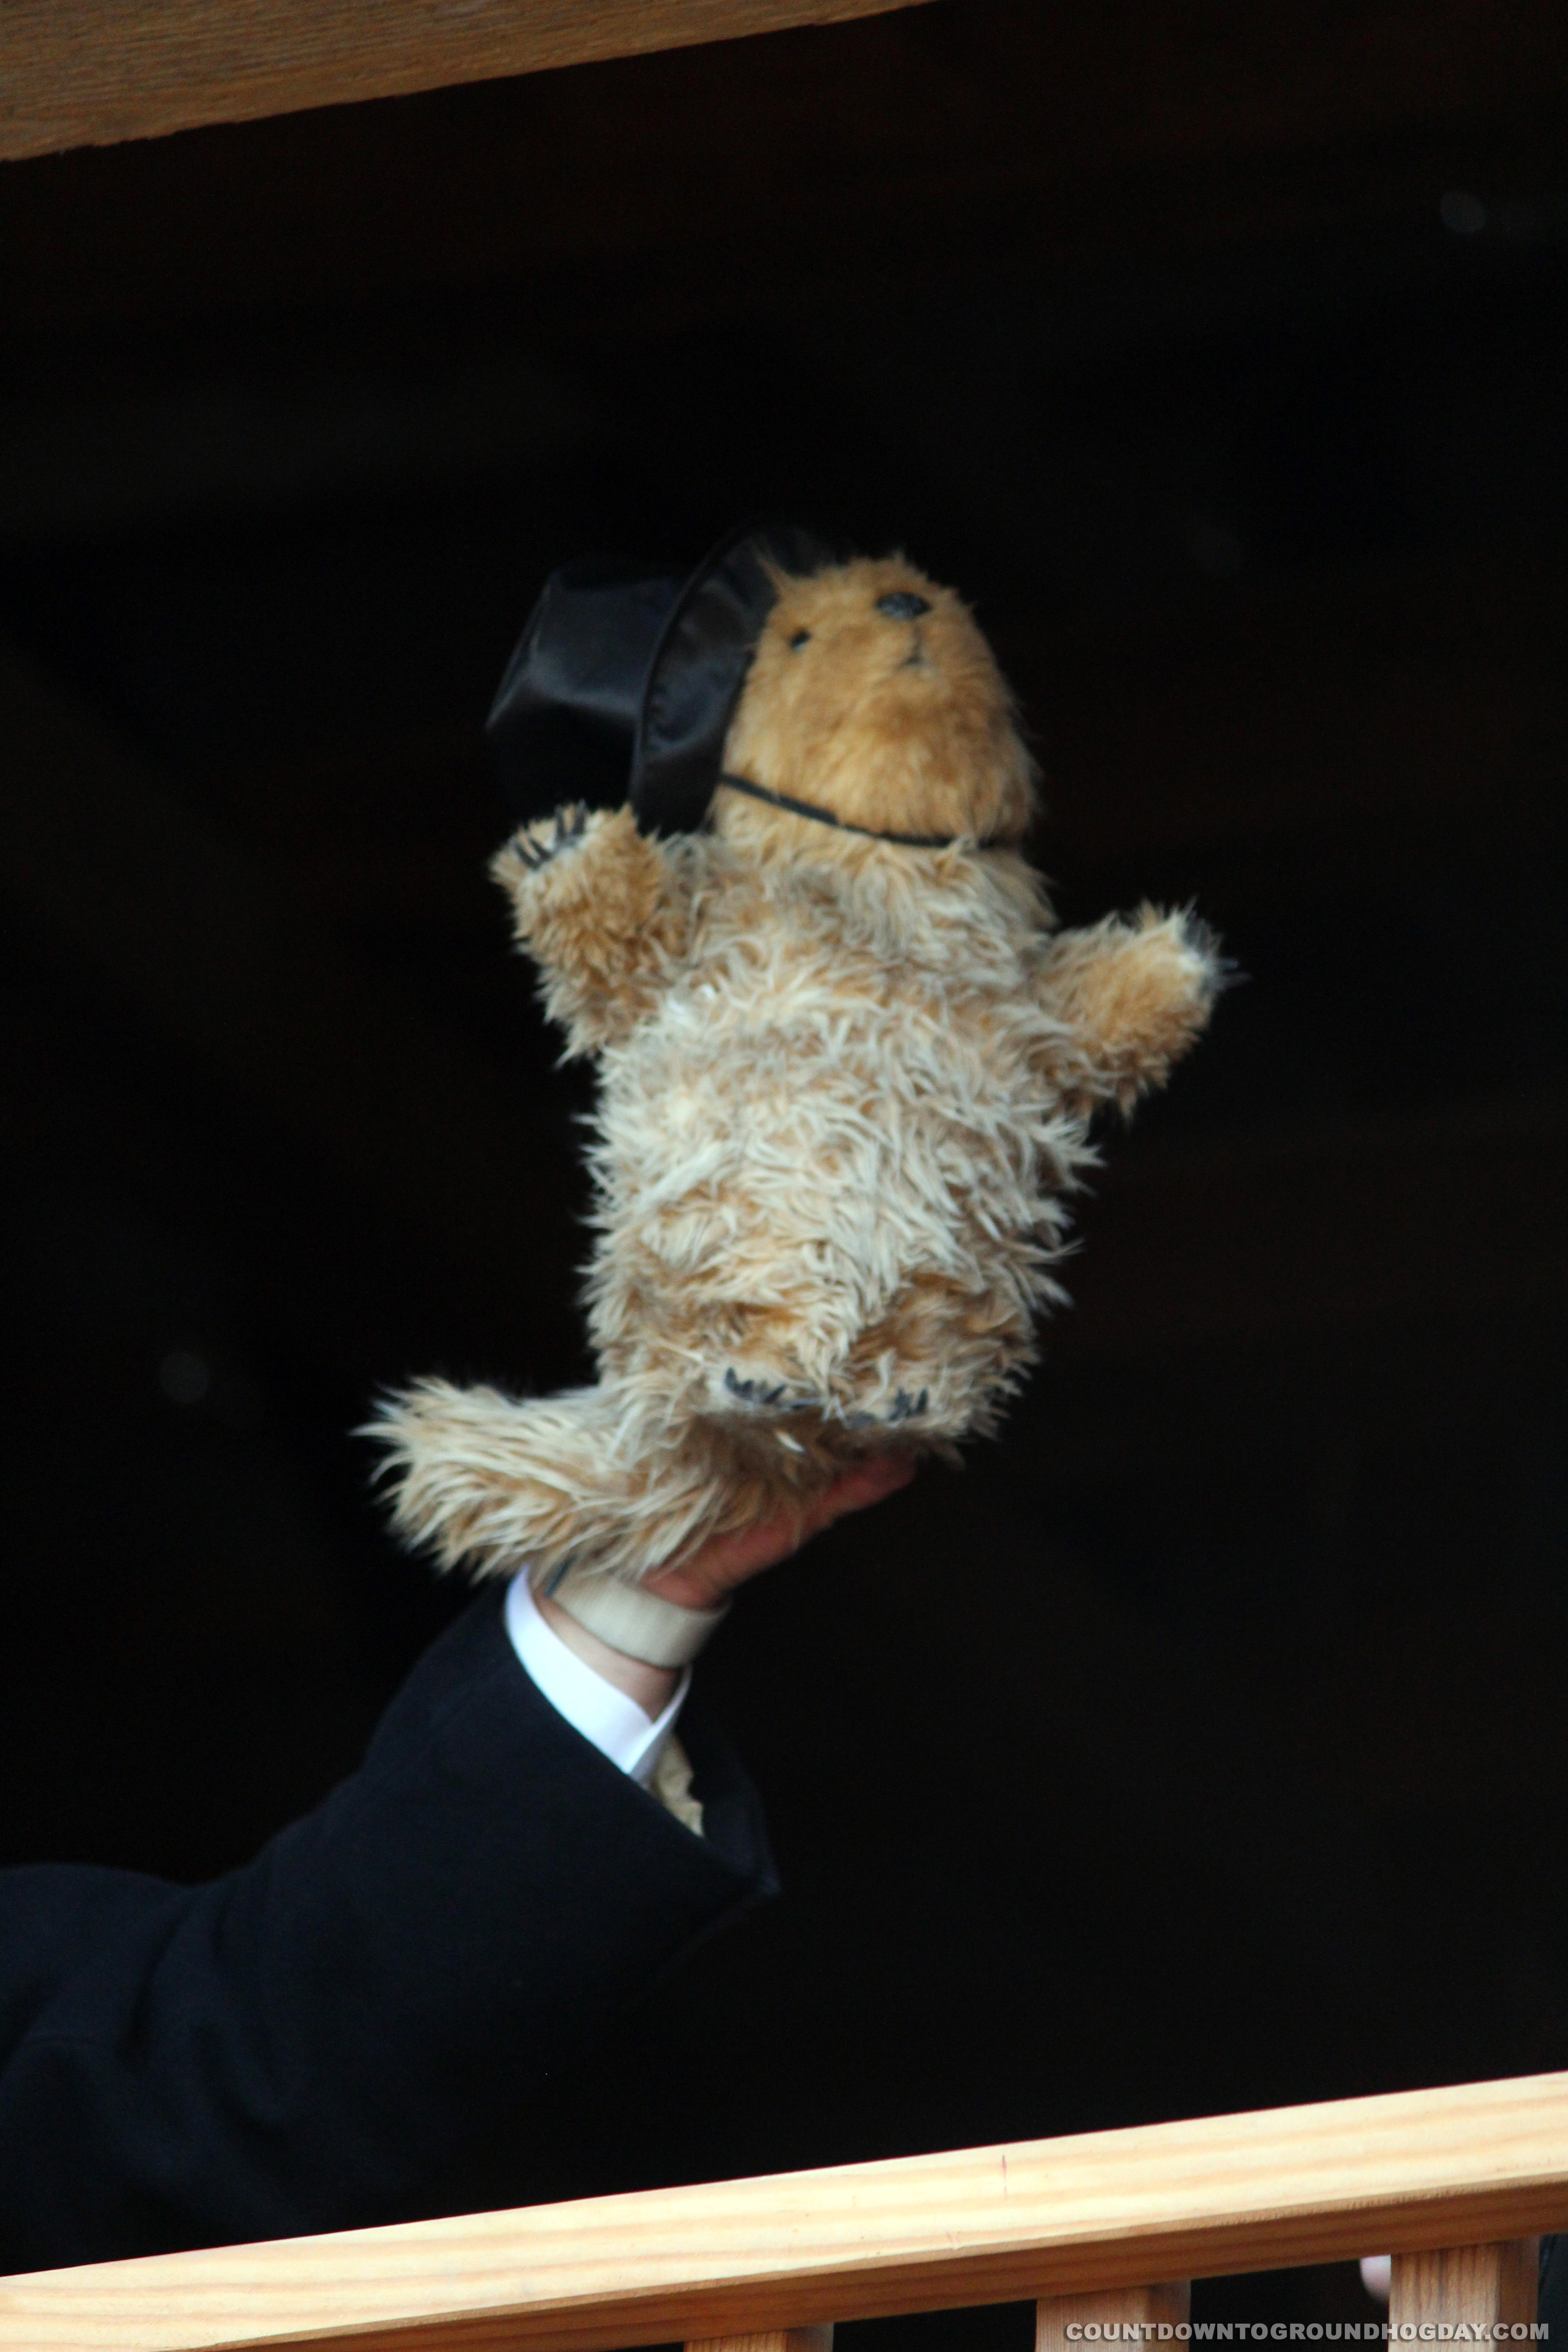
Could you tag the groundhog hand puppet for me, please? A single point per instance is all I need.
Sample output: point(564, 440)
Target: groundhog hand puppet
point(849, 1067)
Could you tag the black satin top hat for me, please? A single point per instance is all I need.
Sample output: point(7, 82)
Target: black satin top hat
point(624, 682)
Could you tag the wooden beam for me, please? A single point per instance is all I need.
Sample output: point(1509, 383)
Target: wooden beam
point(78, 73)
point(747, 176)
point(1462, 2167)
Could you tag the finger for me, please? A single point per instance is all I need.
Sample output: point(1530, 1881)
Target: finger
point(784, 1530)
point(718, 1566)
point(879, 1474)
point(870, 1481)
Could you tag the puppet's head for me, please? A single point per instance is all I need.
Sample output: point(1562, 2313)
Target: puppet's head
point(873, 697)
point(859, 690)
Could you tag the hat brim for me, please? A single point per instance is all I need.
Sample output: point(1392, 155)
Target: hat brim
point(625, 680)
point(564, 718)
point(699, 666)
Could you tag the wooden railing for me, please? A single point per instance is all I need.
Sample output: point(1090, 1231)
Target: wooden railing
point(1455, 2183)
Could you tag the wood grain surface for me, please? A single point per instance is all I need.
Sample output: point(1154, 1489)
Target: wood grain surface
point(1481, 2286)
point(1482, 2162)
point(1138, 2306)
point(81, 73)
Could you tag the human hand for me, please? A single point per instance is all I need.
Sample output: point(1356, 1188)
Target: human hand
point(715, 1569)
point(1376, 2274)
point(718, 1566)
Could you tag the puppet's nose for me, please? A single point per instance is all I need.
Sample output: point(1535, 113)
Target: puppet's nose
point(903, 604)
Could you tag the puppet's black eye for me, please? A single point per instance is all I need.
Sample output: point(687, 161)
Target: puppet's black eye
point(903, 604)
point(801, 638)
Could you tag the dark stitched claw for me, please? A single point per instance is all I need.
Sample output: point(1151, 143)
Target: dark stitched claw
point(571, 824)
point(904, 1407)
point(753, 1393)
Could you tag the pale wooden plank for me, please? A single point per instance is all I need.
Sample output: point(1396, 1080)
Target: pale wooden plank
point(1479, 2284)
point(1124, 2309)
point(81, 73)
point(1105, 2210)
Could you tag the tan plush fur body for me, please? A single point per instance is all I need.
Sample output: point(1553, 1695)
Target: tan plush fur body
point(846, 1088)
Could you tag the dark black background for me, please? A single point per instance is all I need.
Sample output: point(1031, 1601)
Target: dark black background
point(1201, 1746)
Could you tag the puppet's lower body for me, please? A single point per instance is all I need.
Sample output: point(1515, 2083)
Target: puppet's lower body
point(704, 1427)
point(592, 1478)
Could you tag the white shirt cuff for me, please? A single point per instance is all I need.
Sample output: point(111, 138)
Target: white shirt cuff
point(616, 1724)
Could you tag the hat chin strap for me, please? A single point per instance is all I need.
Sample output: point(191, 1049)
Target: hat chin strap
point(842, 824)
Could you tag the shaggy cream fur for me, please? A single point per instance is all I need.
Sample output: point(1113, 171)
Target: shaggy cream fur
point(846, 1089)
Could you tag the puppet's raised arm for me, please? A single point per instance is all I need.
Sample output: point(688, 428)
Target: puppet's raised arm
point(1132, 996)
point(603, 911)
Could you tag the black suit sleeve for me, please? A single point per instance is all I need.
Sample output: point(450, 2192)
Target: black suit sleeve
point(1553, 2303)
point(325, 2038)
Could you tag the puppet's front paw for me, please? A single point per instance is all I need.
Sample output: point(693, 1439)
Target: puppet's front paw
point(1156, 992)
point(581, 858)
point(1181, 961)
point(548, 837)
point(1134, 996)
point(597, 906)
